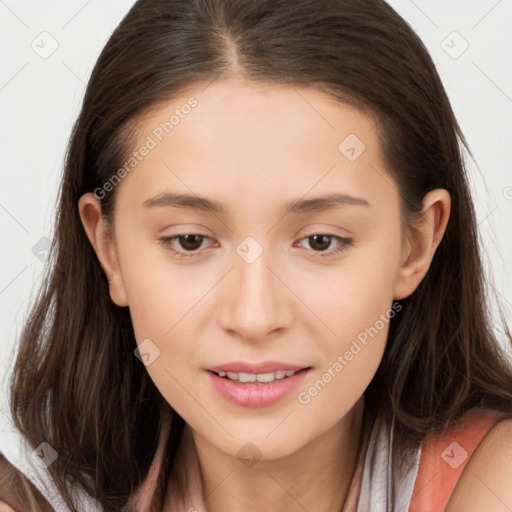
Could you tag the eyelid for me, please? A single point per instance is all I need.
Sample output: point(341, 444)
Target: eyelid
point(323, 228)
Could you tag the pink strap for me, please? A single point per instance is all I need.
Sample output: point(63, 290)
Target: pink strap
point(443, 458)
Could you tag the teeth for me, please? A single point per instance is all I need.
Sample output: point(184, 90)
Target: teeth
point(260, 377)
point(266, 377)
point(247, 377)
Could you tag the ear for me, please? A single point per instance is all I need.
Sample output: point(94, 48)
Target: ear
point(104, 245)
point(421, 242)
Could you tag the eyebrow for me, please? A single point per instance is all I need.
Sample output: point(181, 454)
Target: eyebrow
point(194, 202)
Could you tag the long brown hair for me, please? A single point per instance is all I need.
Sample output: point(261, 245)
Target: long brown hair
point(76, 382)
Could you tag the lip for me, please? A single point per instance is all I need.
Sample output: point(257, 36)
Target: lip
point(264, 367)
point(249, 394)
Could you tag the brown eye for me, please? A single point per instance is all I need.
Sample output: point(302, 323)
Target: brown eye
point(320, 243)
point(190, 242)
point(186, 245)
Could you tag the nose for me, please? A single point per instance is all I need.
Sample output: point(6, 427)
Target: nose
point(255, 302)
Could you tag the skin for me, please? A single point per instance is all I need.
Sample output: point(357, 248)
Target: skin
point(485, 482)
point(254, 149)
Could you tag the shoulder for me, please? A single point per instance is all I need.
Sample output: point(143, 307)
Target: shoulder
point(450, 455)
point(485, 484)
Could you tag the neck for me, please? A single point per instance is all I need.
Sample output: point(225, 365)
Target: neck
point(316, 477)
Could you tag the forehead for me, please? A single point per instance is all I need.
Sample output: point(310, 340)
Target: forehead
point(236, 140)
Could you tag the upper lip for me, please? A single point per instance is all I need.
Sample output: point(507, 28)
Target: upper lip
point(256, 368)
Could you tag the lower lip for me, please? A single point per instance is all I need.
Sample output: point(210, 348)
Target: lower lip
point(248, 394)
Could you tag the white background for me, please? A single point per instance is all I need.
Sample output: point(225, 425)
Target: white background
point(40, 97)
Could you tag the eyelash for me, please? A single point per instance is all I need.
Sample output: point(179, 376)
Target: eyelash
point(166, 241)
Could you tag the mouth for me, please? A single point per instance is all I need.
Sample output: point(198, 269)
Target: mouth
point(250, 385)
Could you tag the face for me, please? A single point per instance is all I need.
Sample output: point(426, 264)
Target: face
point(286, 256)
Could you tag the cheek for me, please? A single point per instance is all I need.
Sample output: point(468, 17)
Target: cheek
point(355, 303)
point(159, 292)
point(164, 302)
point(358, 311)
point(353, 296)
point(358, 320)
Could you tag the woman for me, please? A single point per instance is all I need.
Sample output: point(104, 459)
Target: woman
point(266, 288)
